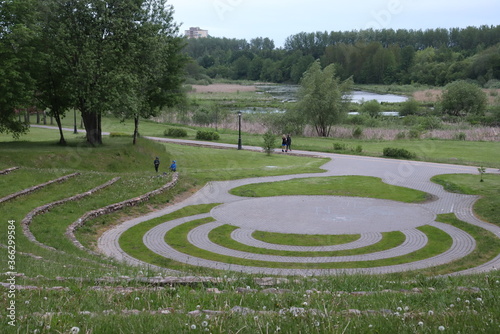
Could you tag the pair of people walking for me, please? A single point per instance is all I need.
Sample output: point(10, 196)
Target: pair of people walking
point(286, 143)
point(173, 166)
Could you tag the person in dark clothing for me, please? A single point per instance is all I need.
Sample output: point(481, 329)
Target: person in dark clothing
point(157, 164)
point(283, 143)
point(288, 143)
point(173, 166)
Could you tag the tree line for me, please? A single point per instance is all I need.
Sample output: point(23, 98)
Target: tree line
point(95, 56)
point(430, 57)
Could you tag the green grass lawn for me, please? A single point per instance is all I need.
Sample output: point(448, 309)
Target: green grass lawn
point(359, 186)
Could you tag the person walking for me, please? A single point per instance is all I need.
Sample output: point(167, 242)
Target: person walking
point(173, 166)
point(283, 143)
point(157, 164)
point(288, 143)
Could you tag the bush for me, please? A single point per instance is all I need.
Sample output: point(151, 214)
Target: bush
point(431, 123)
point(269, 142)
point(207, 135)
point(398, 153)
point(460, 136)
point(401, 135)
point(371, 108)
point(357, 132)
point(339, 147)
point(358, 149)
point(409, 107)
point(414, 133)
point(175, 132)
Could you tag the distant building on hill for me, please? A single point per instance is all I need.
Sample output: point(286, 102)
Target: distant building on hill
point(196, 32)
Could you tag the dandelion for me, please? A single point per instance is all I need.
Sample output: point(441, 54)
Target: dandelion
point(430, 313)
point(304, 303)
point(193, 326)
point(316, 323)
point(407, 308)
point(420, 323)
point(479, 299)
point(74, 330)
point(467, 301)
point(256, 318)
point(370, 326)
point(137, 298)
point(458, 299)
point(399, 309)
point(452, 305)
point(204, 323)
point(264, 308)
point(441, 328)
point(27, 302)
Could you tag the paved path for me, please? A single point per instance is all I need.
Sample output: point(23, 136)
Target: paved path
point(321, 215)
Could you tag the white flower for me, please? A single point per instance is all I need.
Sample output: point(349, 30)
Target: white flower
point(479, 299)
point(136, 298)
point(452, 305)
point(204, 324)
point(264, 308)
point(399, 309)
point(193, 326)
point(467, 301)
point(370, 326)
point(420, 323)
point(458, 299)
point(304, 303)
point(74, 330)
point(430, 313)
point(407, 308)
point(27, 302)
point(441, 328)
point(316, 323)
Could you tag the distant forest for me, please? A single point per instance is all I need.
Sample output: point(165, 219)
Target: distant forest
point(430, 57)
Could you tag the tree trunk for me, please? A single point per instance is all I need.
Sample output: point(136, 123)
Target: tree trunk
point(136, 129)
point(62, 141)
point(92, 123)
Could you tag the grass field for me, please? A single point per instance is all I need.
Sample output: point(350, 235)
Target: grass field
point(70, 290)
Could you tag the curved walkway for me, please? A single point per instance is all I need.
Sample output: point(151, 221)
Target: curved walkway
point(410, 174)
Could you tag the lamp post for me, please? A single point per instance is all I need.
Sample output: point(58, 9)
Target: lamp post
point(239, 130)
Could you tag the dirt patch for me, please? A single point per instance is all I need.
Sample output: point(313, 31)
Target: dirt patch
point(428, 95)
point(222, 88)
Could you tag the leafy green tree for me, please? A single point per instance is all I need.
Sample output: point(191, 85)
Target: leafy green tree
point(323, 98)
point(409, 107)
point(17, 59)
point(461, 98)
point(372, 108)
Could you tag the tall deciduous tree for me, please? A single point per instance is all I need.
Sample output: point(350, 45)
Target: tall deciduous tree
point(110, 56)
point(17, 57)
point(323, 98)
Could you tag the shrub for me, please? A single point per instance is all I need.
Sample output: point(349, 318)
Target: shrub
point(431, 123)
point(372, 108)
point(339, 147)
point(175, 132)
point(414, 133)
point(358, 149)
point(401, 135)
point(357, 132)
point(207, 135)
point(460, 136)
point(398, 153)
point(269, 142)
point(409, 107)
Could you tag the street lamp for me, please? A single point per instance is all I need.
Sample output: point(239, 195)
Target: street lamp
point(239, 130)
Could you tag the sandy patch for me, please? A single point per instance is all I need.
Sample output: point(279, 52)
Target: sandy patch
point(222, 88)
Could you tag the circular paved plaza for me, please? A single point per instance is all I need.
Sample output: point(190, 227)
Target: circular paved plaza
point(369, 219)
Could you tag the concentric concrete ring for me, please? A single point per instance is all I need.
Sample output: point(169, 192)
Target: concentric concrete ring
point(322, 215)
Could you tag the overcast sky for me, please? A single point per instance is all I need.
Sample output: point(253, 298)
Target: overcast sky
point(279, 19)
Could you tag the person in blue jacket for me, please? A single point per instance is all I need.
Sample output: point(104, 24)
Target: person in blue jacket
point(173, 166)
